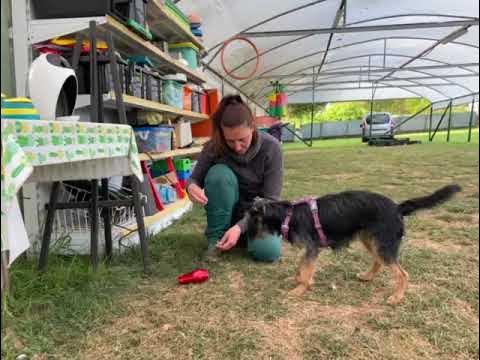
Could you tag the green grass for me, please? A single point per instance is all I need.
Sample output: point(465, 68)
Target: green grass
point(243, 312)
point(456, 137)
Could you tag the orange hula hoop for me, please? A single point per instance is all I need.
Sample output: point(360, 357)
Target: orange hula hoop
point(230, 73)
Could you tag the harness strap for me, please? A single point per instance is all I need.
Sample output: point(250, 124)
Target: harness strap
point(312, 202)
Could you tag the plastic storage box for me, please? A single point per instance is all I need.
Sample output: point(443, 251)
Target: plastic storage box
point(187, 98)
point(182, 164)
point(122, 9)
point(175, 12)
point(188, 51)
point(136, 85)
point(173, 93)
point(154, 138)
point(183, 134)
point(184, 175)
point(159, 168)
point(154, 87)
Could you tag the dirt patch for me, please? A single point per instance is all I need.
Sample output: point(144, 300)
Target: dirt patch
point(466, 311)
point(408, 344)
point(281, 337)
point(237, 282)
point(425, 243)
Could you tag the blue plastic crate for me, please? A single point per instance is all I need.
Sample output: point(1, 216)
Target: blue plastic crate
point(184, 175)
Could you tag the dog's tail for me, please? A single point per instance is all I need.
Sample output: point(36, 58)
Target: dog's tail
point(438, 197)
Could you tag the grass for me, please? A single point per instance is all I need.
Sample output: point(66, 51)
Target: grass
point(456, 137)
point(243, 312)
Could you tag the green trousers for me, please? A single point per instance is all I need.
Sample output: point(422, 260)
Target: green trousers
point(222, 191)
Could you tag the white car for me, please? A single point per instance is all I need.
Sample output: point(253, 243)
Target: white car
point(382, 125)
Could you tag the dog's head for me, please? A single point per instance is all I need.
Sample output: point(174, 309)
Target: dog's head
point(265, 216)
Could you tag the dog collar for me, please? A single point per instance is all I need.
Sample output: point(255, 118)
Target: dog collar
point(312, 202)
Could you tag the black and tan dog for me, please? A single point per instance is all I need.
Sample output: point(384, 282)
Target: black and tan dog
point(373, 218)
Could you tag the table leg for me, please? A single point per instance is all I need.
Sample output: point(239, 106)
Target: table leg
point(5, 275)
point(107, 221)
point(140, 224)
point(47, 231)
point(94, 224)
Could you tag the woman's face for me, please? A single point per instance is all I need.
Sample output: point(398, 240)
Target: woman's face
point(238, 138)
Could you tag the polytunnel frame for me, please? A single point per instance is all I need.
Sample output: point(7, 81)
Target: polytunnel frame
point(464, 22)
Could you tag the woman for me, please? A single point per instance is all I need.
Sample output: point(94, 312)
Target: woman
point(237, 165)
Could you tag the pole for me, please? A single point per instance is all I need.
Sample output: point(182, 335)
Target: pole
point(449, 121)
point(313, 108)
point(430, 123)
point(371, 115)
point(470, 124)
point(439, 123)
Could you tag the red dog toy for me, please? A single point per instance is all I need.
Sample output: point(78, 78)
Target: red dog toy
point(194, 277)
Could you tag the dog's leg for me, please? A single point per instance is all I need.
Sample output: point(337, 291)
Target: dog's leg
point(401, 280)
point(305, 273)
point(377, 262)
point(369, 276)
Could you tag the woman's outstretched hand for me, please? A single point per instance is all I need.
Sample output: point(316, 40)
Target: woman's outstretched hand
point(230, 239)
point(197, 194)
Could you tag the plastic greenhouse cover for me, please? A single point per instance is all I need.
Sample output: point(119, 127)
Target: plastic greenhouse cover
point(432, 53)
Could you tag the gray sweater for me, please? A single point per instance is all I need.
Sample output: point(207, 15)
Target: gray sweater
point(259, 171)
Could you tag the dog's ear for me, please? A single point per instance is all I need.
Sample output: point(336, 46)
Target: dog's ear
point(258, 207)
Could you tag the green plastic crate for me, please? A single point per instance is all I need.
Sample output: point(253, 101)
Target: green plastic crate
point(159, 168)
point(174, 9)
point(183, 164)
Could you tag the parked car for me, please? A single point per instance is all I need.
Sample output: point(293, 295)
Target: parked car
point(382, 124)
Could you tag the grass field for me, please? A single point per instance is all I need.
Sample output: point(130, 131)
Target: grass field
point(243, 312)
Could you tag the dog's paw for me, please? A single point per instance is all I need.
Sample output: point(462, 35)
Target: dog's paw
point(292, 280)
point(298, 291)
point(394, 300)
point(365, 277)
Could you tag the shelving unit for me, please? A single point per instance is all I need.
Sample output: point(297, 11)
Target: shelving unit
point(171, 154)
point(126, 41)
point(138, 103)
point(162, 24)
point(163, 218)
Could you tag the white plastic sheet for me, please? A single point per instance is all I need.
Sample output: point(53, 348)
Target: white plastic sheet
point(356, 51)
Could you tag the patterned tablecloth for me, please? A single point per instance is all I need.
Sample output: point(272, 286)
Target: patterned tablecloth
point(29, 145)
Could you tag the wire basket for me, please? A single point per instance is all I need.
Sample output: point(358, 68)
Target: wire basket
point(68, 221)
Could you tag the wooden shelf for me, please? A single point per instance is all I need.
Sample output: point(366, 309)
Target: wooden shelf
point(166, 214)
point(126, 41)
point(166, 26)
point(132, 44)
point(168, 154)
point(138, 103)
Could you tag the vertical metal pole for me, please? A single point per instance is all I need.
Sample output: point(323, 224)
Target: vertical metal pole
point(94, 224)
point(371, 115)
point(313, 107)
point(430, 124)
point(117, 87)
point(470, 124)
point(449, 121)
point(94, 91)
point(77, 51)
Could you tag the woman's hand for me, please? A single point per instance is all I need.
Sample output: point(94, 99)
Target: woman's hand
point(230, 239)
point(197, 194)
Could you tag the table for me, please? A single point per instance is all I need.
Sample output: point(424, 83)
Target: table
point(41, 151)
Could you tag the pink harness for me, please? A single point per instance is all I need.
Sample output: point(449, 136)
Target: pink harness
point(312, 202)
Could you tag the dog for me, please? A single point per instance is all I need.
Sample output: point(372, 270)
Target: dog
point(374, 219)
